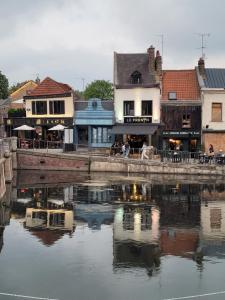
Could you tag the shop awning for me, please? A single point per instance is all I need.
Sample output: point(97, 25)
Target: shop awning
point(135, 129)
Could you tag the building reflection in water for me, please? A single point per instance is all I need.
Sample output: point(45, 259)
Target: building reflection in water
point(149, 220)
point(213, 221)
point(136, 237)
point(48, 212)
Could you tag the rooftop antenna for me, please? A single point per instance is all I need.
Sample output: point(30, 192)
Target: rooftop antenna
point(83, 81)
point(203, 37)
point(162, 43)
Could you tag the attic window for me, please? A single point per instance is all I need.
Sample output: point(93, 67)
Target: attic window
point(172, 96)
point(136, 77)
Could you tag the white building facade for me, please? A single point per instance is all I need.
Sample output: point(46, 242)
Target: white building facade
point(137, 97)
point(212, 84)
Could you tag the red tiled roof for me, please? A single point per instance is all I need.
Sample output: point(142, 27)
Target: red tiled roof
point(50, 87)
point(183, 82)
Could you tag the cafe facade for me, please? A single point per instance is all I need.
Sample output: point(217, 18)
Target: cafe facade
point(181, 111)
point(93, 121)
point(137, 98)
point(49, 104)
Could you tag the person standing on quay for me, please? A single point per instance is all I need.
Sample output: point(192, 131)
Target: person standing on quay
point(144, 151)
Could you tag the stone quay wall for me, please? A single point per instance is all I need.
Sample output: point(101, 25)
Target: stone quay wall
point(73, 162)
point(7, 161)
point(31, 160)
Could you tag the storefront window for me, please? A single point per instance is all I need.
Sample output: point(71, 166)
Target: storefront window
point(104, 135)
point(101, 135)
point(94, 135)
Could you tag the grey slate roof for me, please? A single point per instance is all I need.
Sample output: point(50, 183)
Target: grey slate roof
point(5, 102)
point(126, 64)
point(215, 78)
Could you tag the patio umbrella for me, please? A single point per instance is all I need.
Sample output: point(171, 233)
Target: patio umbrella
point(24, 127)
point(58, 127)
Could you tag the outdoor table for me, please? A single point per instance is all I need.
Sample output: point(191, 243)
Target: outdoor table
point(220, 159)
point(176, 157)
point(203, 158)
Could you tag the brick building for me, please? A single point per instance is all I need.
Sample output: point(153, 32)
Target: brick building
point(181, 110)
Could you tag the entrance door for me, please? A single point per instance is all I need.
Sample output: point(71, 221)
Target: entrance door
point(136, 141)
point(83, 135)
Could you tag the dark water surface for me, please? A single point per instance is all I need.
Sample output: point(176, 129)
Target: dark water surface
point(103, 236)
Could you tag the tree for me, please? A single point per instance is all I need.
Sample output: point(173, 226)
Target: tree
point(101, 89)
point(4, 85)
point(79, 94)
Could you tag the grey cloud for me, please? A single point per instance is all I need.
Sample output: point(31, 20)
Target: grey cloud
point(73, 39)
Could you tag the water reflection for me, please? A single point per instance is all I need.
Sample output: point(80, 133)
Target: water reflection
point(136, 237)
point(4, 214)
point(48, 212)
point(140, 224)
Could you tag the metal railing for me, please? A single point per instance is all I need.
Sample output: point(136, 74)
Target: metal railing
point(171, 156)
point(38, 144)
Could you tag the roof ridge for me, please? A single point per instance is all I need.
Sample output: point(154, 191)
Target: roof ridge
point(178, 70)
point(122, 53)
point(29, 81)
point(50, 86)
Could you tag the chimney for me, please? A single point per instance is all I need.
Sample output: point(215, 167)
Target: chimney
point(151, 59)
point(158, 63)
point(201, 67)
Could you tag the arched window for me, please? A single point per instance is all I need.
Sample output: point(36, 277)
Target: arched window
point(136, 77)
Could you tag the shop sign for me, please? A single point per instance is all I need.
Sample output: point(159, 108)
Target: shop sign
point(50, 121)
point(137, 120)
point(181, 133)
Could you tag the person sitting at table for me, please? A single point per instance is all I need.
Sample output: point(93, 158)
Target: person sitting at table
point(211, 151)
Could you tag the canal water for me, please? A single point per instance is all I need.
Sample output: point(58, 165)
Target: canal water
point(102, 236)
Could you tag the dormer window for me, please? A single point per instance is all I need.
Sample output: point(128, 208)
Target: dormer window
point(136, 77)
point(172, 96)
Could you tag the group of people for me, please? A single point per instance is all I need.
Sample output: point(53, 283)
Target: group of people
point(123, 149)
point(119, 148)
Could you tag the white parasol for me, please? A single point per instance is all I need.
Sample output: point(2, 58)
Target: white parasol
point(24, 127)
point(58, 127)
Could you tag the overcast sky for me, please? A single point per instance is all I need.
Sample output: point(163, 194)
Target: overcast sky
point(73, 39)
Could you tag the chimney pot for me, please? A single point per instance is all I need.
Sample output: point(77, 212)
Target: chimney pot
point(201, 67)
point(158, 63)
point(151, 59)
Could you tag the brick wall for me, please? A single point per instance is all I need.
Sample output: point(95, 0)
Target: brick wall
point(42, 161)
point(217, 139)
